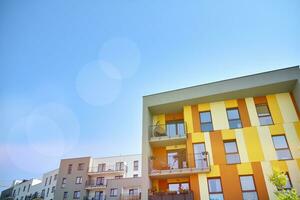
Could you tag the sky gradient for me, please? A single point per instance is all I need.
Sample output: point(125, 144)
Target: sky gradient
point(73, 73)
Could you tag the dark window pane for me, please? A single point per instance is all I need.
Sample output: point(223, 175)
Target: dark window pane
point(205, 117)
point(279, 142)
point(230, 147)
point(233, 158)
point(206, 127)
point(235, 124)
point(283, 154)
point(233, 114)
point(250, 196)
point(214, 185)
point(262, 110)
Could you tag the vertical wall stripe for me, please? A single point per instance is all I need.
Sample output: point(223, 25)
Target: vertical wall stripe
point(230, 182)
point(252, 111)
point(217, 147)
point(274, 109)
point(292, 139)
point(203, 107)
point(190, 150)
point(231, 103)
point(196, 120)
point(243, 112)
point(267, 171)
point(267, 143)
point(294, 174)
point(241, 145)
point(187, 113)
point(203, 187)
point(252, 140)
point(287, 107)
point(279, 165)
point(259, 179)
point(174, 116)
point(219, 116)
point(260, 100)
point(161, 157)
point(295, 105)
point(297, 128)
point(208, 147)
point(195, 186)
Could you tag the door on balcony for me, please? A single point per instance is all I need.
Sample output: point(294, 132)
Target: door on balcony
point(99, 195)
point(179, 187)
point(176, 159)
point(100, 181)
point(200, 156)
point(175, 128)
point(101, 167)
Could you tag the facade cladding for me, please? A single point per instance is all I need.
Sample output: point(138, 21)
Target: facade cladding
point(222, 140)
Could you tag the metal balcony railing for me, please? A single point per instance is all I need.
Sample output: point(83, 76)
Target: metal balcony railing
point(179, 163)
point(170, 130)
point(184, 195)
point(96, 184)
point(108, 168)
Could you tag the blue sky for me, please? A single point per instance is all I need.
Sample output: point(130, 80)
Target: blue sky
point(73, 73)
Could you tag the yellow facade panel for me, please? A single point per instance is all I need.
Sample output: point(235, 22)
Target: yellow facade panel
point(268, 171)
point(294, 173)
point(208, 147)
point(252, 111)
point(241, 145)
point(276, 129)
point(297, 128)
point(215, 171)
point(219, 115)
point(178, 180)
point(244, 168)
point(231, 103)
point(228, 134)
point(203, 186)
point(198, 137)
point(274, 109)
point(292, 139)
point(252, 140)
point(279, 165)
point(159, 119)
point(287, 108)
point(267, 143)
point(188, 118)
point(203, 107)
point(174, 147)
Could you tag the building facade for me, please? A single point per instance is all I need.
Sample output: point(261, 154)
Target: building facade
point(222, 140)
point(24, 189)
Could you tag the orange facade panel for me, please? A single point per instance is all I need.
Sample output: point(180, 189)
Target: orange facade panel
point(260, 100)
point(173, 117)
point(230, 182)
point(244, 113)
point(160, 156)
point(195, 117)
point(217, 146)
point(260, 184)
point(194, 185)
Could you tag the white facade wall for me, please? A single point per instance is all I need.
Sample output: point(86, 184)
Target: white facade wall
point(48, 184)
point(23, 189)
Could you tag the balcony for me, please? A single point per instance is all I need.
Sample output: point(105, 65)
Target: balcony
point(167, 134)
point(92, 185)
point(184, 195)
point(176, 165)
point(107, 169)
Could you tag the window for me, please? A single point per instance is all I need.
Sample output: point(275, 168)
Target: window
point(80, 166)
point(63, 183)
point(53, 189)
point(48, 190)
point(46, 181)
point(118, 177)
point(14, 193)
point(28, 187)
point(99, 195)
point(78, 180)
point(232, 153)
point(133, 192)
point(100, 181)
point(178, 186)
point(119, 166)
point(55, 177)
point(19, 191)
point(76, 195)
point(135, 175)
point(281, 147)
point(65, 195)
point(24, 188)
point(136, 165)
point(50, 179)
point(264, 115)
point(200, 156)
point(206, 121)
point(101, 167)
point(43, 193)
point(234, 118)
point(248, 188)
point(70, 169)
point(215, 189)
point(288, 184)
point(175, 128)
point(114, 192)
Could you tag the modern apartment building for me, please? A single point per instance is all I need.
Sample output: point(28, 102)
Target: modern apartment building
point(222, 140)
point(97, 178)
point(46, 188)
point(24, 189)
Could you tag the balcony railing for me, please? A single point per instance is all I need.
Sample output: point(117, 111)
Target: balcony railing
point(169, 130)
point(178, 164)
point(96, 184)
point(185, 195)
point(108, 169)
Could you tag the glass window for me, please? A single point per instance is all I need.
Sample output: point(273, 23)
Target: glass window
point(24, 188)
point(99, 195)
point(288, 185)
point(215, 189)
point(248, 188)
point(100, 181)
point(133, 192)
point(101, 167)
point(175, 129)
point(80, 166)
point(118, 177)
point(135, 175)
point(48, 190)
point(76, 195)
point(281, 147)
point(232, 154)
point(78, 180)
point(65, 195)
point(114, 192)
point(173, 160)
point(264, 115)
point(50, 179)
point(136, 165)
point(120, 166)
point(206, 121)
point(55, 176)
point(70, 169)
point(63, 183)
point(200, 156)
point(234, 118)
point(53, 189)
